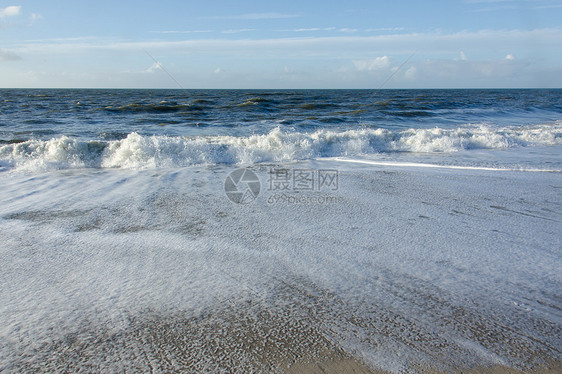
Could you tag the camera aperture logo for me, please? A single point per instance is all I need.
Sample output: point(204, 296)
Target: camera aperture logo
point(242, 186)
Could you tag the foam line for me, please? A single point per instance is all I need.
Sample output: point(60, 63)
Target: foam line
point(435, 166)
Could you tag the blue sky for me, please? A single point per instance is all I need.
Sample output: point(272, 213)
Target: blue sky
point(284, 44)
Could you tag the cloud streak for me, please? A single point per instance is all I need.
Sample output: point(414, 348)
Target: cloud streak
point(255, 16)
point(236, 31)
point(426, 43)
point(313, 29)
point(182, 32)
point(502, 5)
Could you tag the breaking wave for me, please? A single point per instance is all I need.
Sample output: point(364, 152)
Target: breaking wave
point(138, 151)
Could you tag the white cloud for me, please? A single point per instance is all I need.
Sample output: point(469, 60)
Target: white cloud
point(378, 63)
point(510, 57)
point(10, 11)
point(411, 74)
point(154, 67)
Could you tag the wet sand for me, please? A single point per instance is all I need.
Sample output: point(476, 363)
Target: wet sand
point(236, 338)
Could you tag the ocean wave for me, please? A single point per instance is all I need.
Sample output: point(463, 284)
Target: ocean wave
point(138, 151)
point(162, 107)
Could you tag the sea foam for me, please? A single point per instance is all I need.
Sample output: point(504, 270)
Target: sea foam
point(139, 151)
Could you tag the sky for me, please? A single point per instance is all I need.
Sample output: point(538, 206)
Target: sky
point(281, 44)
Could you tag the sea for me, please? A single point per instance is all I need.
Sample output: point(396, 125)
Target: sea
point(68, 129)
point(253, 230)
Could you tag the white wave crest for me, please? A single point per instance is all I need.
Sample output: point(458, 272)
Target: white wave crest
point(137, 151)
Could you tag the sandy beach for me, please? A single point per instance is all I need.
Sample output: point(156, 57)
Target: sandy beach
point(407, 269)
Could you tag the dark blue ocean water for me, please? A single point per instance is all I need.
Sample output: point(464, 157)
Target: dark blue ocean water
point(113, 114)
point(113, 128)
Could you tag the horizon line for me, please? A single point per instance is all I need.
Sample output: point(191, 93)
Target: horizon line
point(276, 88)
